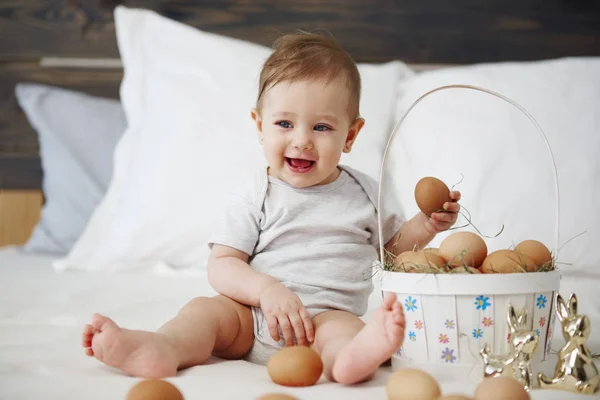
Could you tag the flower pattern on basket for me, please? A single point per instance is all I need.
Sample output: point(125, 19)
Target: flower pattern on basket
point(538, 332)
point(542, 321)
point(448, 355)
point(487, 322)
point(541, 301)
point(449, 323)
point(482, 302)
point(412, 336)
point(410, 304)
point(444, 338)
point(419, 324)
point(477, 333)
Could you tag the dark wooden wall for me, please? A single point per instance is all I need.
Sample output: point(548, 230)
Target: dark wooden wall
point(414, 31)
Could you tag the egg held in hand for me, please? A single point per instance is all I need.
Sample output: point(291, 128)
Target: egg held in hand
point(431, 194)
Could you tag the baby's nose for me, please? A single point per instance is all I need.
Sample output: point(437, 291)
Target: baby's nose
point(302, 141)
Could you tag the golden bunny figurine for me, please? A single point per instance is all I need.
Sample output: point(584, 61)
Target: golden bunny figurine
point(524, 342)
point(517, 362)
point(575, 370)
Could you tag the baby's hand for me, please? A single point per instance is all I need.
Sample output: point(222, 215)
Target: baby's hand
point(283, 307)
point(442, 221)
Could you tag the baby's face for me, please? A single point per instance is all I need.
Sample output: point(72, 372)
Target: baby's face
point(305, 126)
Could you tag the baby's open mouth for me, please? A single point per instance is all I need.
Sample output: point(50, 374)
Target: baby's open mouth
point(299, 165)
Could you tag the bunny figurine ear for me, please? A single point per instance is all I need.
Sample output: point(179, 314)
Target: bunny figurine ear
point(573, 304)
point(511, 318)
point(561, 308)
point(522, 318)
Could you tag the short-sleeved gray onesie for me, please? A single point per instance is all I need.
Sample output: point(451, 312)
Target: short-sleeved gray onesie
point(319, 241)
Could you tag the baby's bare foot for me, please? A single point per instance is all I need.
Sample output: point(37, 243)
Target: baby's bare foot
point(137, 353)
point(373, 345)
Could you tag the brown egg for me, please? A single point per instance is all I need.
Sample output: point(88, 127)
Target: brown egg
point(154, 389)
point(465, 270)
point(507, 261)
point(432, 251)
point(412, 384)
point(295, 366)
point(431, 194)
point(419, 261)
point(276, 396)
point(500, 388)
point(455, 397)
point(463, 248)
point(535, 250)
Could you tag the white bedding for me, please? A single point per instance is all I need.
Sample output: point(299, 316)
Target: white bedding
point(42, 313)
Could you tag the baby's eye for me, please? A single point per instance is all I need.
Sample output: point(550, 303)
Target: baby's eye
point(284, 124)
point(321, 128)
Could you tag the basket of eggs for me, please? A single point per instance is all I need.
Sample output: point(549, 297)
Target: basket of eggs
point(456, 296)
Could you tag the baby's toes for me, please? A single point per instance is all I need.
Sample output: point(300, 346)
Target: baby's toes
point(398, 313)
point(89, 352)
point(389, 300)
point(87, 335)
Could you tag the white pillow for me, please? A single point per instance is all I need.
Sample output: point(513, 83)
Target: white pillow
point(77, 135)
point(508, 177)
point(187, 95)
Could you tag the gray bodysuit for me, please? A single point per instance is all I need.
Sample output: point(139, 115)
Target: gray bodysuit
point(319, 241)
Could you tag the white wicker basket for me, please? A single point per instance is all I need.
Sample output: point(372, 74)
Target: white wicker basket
point(449, 317)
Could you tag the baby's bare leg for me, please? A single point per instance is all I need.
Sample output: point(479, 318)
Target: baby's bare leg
point(333, 331)
point(352, 351)
point(204, 326)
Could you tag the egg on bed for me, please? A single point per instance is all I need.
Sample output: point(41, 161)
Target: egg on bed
point(154, 389)
point(295, 366)
point(276, 396)
point(412, 384)
point(500, 388)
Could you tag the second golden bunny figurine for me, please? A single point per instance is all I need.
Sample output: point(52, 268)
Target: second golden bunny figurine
point(575, 370)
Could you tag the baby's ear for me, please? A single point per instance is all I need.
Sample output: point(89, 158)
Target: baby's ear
point(353, 133)
point(256, 118)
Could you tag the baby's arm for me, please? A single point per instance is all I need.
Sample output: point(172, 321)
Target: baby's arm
point(412, 234)
point(420, 230)
point(230, 275)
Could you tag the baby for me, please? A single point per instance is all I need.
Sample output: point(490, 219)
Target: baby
point(293, 250)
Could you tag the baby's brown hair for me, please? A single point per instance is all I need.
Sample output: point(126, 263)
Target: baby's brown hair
point(307, 56)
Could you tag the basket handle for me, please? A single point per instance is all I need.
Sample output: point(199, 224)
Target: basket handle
point(498, 95)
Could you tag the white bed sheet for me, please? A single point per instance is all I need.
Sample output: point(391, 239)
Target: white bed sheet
point(42, 313)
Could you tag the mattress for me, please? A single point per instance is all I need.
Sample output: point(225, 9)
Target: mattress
point(41, 317)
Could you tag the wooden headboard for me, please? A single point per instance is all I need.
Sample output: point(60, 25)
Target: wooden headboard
point(71, 43)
